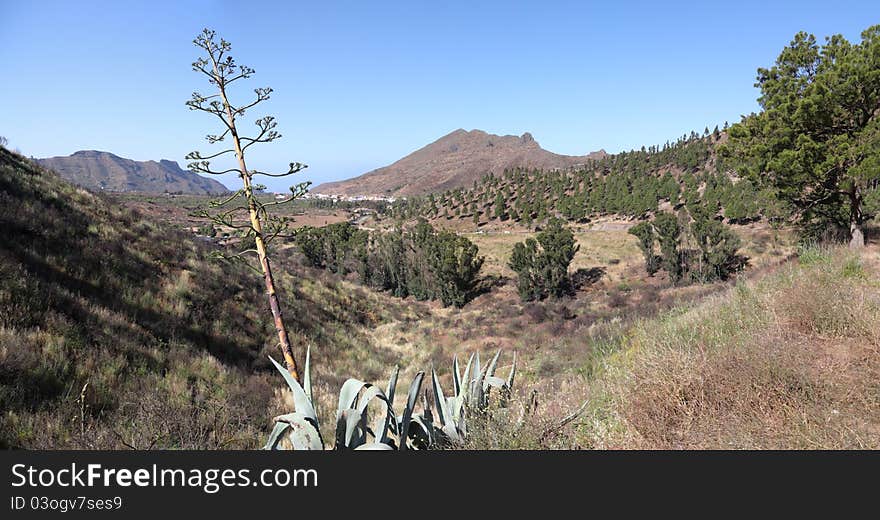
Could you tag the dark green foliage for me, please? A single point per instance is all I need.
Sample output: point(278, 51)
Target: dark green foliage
point(629, 184)
point(816, 141)
point(522, 261)
point(500, 204)
point(384, 266)
point(645, 233)
point(717, 246)
point(334, 247)
point(541, 263)
point(715, 256)
point(667, 230)
point(418, 262)
point(311, 243)
point(455, 266)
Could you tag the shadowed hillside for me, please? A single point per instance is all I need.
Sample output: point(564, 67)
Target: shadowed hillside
point(104, 171)
point(117, 331)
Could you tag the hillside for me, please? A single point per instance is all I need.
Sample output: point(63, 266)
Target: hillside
point(117, 330)
point(788, 359)
point(98, 171)
point(455, 160)
point(633, 184)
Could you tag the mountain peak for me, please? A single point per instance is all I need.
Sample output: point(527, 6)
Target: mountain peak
point(91, 153)
point(97, 170)
point(455, 160)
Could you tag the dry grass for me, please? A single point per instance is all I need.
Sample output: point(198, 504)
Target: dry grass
point(789, 361)
point(608, 245)
point(614, 250)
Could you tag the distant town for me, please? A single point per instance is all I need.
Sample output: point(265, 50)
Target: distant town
point(346, 198)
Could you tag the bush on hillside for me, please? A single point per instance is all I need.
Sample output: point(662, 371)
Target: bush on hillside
point(418, 262)
point(541, 263)
point(714, 256)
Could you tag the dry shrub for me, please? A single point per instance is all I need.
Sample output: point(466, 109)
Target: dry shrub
point(789, 361)
point(616, 299)
point(832, 302)
point(536, 312)
point(544, 416)
point(733, 398)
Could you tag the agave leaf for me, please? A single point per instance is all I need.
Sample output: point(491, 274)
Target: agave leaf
point(380, 430)
point(349, 393)
point(490, 372)
point(374, 446)
point(302, 432)
point(412, 397)
point(456, 376)
point(307, 375)
point(424, 430)
point(475, 396)
point(492, 364)
point(464, 391)
point(451, 432)
point(371, 393)
point(426, 406)
point(392, 385)
point(512, 373)
point(300, 400)
point(477, 373)
point(467, 372)
point(427, 418)
point(456, 404)
point(383, 423)
point(440, 401)
point(475, 391)
point(423, 423)
point(495, 382)
point(347, 423)
point(390, 416)
point(275, 436)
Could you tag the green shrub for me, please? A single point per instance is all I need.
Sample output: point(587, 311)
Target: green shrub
point(541, 263)
point(715, 257)
point(418, 262)
point(645, 233)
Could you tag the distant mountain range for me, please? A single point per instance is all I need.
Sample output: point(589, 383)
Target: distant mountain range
point(453, 161)
point(98, 171)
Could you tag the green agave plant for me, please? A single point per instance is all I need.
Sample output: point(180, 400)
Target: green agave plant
point(470, 394)
point(410, 430)
point(300, 430)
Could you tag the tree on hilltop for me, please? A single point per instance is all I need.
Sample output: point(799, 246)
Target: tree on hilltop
point(817, 139)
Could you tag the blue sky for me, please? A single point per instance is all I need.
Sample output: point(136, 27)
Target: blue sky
point(360, 84)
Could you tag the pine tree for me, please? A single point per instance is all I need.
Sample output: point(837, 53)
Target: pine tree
point(668, 230)
point(817, 139)
point(644, 231)
point(541, 263)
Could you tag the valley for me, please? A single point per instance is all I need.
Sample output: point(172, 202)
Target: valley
point(718, 290)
